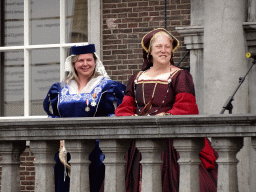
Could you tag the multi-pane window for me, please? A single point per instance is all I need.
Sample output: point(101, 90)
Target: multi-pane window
point(35, 39)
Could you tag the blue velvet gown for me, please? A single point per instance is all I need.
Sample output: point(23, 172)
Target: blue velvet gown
point(61, 181)
point(99, 98)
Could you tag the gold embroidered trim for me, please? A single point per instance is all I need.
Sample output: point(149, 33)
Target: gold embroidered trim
point(152, 81)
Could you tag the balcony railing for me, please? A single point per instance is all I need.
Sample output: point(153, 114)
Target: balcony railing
point(115, 133)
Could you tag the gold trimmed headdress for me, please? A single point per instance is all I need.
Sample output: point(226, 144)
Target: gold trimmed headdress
point(146, 44)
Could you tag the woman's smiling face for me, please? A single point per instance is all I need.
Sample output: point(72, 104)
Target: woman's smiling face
point(161, 49)
point(85, 65)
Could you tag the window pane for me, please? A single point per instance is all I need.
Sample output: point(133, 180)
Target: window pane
point(45, 25)
point(13, 83)
point(13, 20)
point(45, 66)
point(45, 72)
point(78, 21)
point(46, 21)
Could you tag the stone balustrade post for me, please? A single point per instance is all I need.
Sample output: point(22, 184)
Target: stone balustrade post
point(44, 152)
point(10, 152)
point(79, 151)
point(114, 162)
point(189, 149)
point(253, 169)
point(227, 149)
point(151, 151)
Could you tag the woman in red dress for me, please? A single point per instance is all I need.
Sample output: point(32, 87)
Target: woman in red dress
point(160, 89)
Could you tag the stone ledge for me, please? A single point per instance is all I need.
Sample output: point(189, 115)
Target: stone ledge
point(250, 29)
point(249, 26)
point(193, 36)
point(129, 127)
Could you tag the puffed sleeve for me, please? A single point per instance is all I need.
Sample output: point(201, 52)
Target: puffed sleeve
point(128, 105)
point(112, 95)
point(51, 101)
point(208, 155)
point(185, 101)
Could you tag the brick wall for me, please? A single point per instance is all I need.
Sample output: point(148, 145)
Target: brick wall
point(125, 22)
point(27, 171)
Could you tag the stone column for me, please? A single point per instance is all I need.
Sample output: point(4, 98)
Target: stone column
point(194, 41)
point(252, 11)
point(151, 164)
point(197, 13)
point(10, 152)
point(79, 151)
point(252, 164)
point(227, 149)
point(250, 30)
point(114, 162)
point(224, 55)
point(189, 149)
point(44, 152)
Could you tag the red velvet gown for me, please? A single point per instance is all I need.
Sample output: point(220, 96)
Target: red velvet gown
point(177, 97)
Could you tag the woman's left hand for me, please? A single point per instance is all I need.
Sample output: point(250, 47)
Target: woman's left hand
point(163, 114)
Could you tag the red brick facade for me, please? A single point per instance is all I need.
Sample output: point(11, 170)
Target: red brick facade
point(125, 22)
point(27, 171)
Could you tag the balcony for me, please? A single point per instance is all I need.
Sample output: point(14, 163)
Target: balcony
point(115, 133)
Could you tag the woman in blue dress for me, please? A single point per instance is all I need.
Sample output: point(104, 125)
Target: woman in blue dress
point(86, 92)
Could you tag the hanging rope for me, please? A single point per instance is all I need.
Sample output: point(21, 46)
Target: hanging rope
point(165, 16)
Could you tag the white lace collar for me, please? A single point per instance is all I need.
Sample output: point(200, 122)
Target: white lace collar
point(73, 86)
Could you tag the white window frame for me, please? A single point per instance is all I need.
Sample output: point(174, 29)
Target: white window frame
point(94, 36)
